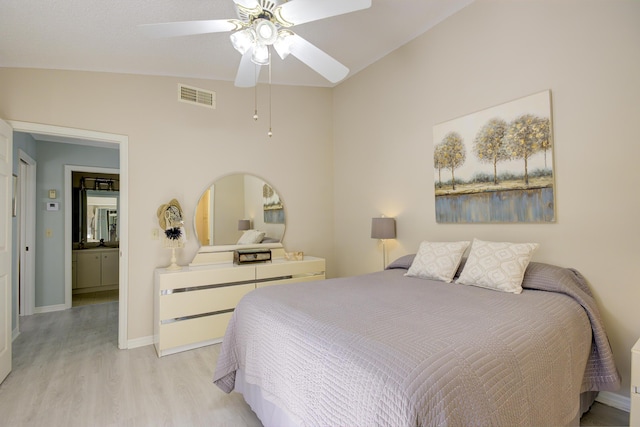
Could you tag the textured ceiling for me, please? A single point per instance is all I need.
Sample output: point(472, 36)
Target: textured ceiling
point(99, 35)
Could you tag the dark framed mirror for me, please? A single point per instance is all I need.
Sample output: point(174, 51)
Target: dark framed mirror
point(96, 200)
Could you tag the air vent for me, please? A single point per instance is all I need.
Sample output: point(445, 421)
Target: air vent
point(193, 95)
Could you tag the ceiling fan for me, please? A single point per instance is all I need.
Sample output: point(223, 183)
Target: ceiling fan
point(265, 23)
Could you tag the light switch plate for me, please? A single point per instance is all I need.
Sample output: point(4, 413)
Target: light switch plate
point(52, 194)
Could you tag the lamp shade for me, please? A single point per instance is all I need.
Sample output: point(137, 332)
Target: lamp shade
point(244, 224)
point(383, 228)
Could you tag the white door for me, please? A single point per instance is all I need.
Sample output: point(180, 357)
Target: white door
point(6, 190)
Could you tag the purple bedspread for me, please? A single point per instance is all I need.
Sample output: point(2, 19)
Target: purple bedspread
point(384, 349)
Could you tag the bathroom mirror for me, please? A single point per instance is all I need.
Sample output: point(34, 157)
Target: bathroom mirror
point(95, 208)
point(236, 197)
point(101, 221)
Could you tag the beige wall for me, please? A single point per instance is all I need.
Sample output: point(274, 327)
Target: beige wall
point(380, 121)
point(178, 150)
point(588, 54)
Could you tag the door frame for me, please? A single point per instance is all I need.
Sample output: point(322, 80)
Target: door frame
point(26, 228)
point(68, 219)
point(100, 139)
point(6, 248)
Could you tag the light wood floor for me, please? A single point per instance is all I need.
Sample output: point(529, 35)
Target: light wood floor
point(94, 298)
point(68, 371)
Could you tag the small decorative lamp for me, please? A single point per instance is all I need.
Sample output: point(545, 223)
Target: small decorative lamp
point(170, 220)
point(244, 224)
point(383, 228)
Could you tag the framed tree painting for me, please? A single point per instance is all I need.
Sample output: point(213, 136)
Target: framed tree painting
point(272, 206)
point(496, 165)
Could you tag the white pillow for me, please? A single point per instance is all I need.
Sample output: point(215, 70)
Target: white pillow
point(437, 260)
point(250, 237)
point(497, 265)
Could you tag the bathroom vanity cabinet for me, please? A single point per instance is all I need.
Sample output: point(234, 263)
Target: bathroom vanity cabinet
point(95, 269)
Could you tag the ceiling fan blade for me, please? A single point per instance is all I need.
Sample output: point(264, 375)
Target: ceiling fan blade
point(249, 4)
point(318, 60)
point(248, 72)
point(189, 28)
point(296, 12)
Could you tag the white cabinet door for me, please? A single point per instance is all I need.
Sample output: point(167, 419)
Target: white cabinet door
point(110, 264)
point(6, 189)
point(88, 269)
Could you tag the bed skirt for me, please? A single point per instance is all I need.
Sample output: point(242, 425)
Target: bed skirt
point(272, 415)
point(269, 413)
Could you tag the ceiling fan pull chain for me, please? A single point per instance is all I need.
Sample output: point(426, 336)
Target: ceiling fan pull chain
point(255, 94)
point(270, 134)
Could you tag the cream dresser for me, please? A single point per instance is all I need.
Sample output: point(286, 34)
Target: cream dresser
point(634, 420)
point(193, 305)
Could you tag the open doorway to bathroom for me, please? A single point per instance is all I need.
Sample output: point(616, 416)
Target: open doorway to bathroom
point(95, 232)
point(76, 141)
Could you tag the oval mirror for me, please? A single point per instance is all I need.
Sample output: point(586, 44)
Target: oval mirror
point(224, 208)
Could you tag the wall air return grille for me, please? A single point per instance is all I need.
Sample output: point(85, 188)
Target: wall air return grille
point(193, 95)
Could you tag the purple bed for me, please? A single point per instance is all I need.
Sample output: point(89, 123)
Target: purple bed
point(386, 349)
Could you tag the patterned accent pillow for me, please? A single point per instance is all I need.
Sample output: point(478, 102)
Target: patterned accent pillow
point(437, 260)
point(250, 237)
point(497, 265)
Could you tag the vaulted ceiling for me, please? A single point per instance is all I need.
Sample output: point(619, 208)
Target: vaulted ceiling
point(98, 35)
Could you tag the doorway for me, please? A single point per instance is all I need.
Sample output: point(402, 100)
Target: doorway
point(94, 232)
point(101, 139)
point(26, 233)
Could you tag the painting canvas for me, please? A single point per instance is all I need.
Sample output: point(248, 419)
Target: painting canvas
point(272, 206)
point(496, 165)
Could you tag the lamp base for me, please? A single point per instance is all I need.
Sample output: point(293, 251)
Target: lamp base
point(173, 265)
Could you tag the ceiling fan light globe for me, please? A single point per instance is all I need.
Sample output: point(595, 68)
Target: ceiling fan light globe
point(266, 31)
point(283, 44)
point(242, 40)
point(260, 55)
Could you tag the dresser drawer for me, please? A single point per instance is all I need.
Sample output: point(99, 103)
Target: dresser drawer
point(192, 331)
point(290, 268)
point(292, 280)
point(190, 303)
point(203, 277)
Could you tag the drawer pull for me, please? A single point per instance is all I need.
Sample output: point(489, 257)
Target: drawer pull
point(194, 316)
point(203, 287)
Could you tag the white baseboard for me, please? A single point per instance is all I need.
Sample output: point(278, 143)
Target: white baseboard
point(140, 342)
point(14, 334)
point(49, 308)
point(615, 400)
point(188, 347)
